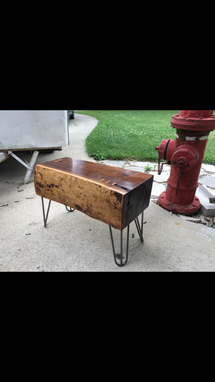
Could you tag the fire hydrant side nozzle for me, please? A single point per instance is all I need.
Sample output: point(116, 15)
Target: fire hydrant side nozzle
point(166, 149)
point(185, 154)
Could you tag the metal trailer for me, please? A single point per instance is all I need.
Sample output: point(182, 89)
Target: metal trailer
point(32, 130)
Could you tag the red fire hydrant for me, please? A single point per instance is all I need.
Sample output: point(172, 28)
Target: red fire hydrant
point(185, 154)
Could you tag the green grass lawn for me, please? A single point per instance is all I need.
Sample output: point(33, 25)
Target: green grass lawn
point(133, 134)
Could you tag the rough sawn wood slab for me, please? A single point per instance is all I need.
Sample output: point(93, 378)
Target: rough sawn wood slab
point(110, 194)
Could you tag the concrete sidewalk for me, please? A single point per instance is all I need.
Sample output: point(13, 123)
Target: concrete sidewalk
point(75, 242)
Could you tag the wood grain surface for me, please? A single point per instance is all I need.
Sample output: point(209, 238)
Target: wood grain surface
point(110, 194)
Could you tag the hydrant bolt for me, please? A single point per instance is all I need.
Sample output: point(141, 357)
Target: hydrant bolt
point(182, 162)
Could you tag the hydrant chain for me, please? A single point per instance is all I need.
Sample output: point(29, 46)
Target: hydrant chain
point(160, 167)
point(162, 150)
point(180, 175)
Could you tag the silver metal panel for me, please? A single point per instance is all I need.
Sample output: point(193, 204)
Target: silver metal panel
point(33, 129)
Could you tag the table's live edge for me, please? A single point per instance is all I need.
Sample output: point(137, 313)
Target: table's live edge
point(106, 193)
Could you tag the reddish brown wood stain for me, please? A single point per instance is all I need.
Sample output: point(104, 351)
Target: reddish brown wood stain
point(110, 194)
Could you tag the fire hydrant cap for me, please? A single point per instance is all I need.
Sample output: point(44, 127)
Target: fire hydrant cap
point(162, 148)
point(185, 158)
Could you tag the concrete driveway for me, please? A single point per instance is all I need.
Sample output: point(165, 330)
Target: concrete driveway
point(75, 242)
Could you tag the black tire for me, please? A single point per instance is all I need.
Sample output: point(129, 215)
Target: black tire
point(72, 116)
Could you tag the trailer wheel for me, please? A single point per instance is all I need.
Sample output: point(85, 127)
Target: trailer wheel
point(72, 115)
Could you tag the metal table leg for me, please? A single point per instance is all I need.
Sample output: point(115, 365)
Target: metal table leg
point(140, 229)
point(45, 216)
point(69, 209)
point(120, 256)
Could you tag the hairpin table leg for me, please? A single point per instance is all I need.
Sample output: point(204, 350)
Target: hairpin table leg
point(45, 216)
point(120, 257)
point(139, 228)
point(69, 209)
